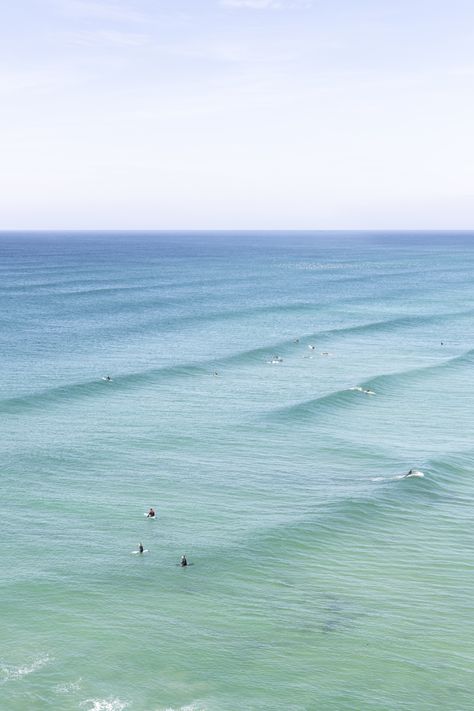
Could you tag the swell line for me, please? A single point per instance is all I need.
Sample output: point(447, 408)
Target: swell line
point(348, 397)
point(92, 388)
point(341, 398)
point(460, 361)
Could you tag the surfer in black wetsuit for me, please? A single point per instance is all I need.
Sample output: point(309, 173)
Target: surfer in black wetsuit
point(151, 513)
point(183, 562)
point(140, 548)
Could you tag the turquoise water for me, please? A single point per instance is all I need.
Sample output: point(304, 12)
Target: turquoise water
point(321, 579)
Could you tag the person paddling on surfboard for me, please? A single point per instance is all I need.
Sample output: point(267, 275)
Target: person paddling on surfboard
point(151, 513)
point(184, 562)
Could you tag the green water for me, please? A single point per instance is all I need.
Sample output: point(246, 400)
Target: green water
point(320, 578)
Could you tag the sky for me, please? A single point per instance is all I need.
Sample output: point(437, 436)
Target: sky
point(237, 114)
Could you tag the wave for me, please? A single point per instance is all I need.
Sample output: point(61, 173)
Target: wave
point(308, 408)
point(366, 511)
point(150, 318)
point(9, 672)
point(384, 325)
point(380, 384)
point(369, 505)
point(79, 287)
point(96, 387)
point(93, 388)
point(289, 345)
point(411, 474)
point(344, 397)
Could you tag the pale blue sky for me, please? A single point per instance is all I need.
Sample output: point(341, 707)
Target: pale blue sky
point(314, 114)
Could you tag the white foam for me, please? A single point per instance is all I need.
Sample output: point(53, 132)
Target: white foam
point(10, 672)
point(67, 687)
point(104, 705)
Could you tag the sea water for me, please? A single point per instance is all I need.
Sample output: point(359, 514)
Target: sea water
point(268, 392)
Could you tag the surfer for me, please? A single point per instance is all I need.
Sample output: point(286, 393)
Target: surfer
point(108, 378)
point(183, 562)
point(413, 472)
point(140, 548)
point(151, 513)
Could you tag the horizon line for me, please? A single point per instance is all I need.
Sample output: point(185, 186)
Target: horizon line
point(234, 230)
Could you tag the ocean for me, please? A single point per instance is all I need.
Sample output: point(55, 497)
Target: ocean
point(268, 393)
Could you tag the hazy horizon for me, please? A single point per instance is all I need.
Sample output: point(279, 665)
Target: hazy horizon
point(237, 114)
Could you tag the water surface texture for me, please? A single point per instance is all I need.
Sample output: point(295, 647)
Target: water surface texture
point(268, 392)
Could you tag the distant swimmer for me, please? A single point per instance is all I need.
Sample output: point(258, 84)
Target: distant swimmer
point(363, 390)
point(312, 348)
point(183, 562)
point(107, 378)
point(216, 373)
point(151, 513)
point(297, 340)
point(141, 550)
